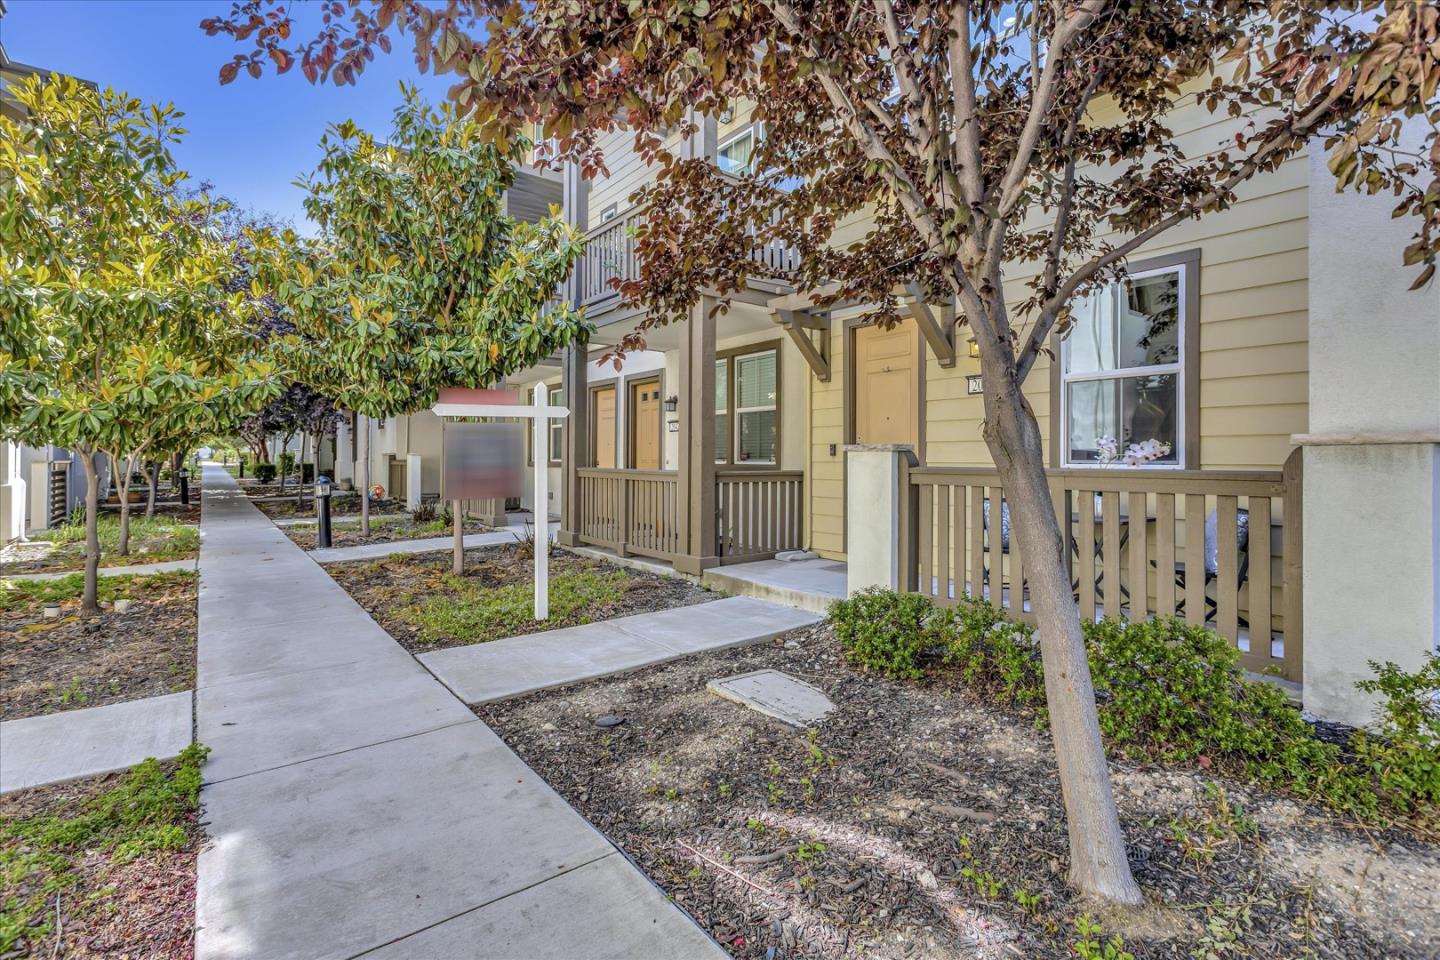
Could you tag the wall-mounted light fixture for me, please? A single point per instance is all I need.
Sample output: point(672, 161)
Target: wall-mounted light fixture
point(671, 403)
point(974, 348)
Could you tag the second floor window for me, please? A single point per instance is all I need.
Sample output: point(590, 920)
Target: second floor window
point(736, 154)
point(1123, 367)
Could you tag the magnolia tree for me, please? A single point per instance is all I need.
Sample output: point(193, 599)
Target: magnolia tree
point(118, 330)
point(986, 139)
point(419, 279)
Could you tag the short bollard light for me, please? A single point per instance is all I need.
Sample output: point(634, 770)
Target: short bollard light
point(322, 504)
point(184, 485)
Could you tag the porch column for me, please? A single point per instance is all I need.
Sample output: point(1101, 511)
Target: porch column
point(1371, 483)
point(697, 440)
point(575, 373)
point(880, 518)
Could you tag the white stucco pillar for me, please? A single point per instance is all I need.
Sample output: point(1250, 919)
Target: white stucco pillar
point(12, 493)
point(875, 493)
point(1371, 559)
point(412, 481)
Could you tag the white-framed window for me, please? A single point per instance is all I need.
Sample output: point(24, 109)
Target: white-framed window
point(735, 154)
point(557, 427)
point(610, 213)
point(756, 407)
point(1122, 369)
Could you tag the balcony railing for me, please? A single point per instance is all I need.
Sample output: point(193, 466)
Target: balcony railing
point(1219, 549)
point(610, 255)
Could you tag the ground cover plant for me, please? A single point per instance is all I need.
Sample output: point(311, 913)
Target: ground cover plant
point(919, 819)
point(1174, 693)
point(425, 607)
point(152, 540)
point(71, 662)
point(103, 866)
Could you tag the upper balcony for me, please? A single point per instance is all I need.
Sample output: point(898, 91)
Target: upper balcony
point(610, 254)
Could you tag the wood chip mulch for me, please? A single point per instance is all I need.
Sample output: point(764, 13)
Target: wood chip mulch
point(383, 586)
point(918, 822)
point(391, 530)
point(48, 666)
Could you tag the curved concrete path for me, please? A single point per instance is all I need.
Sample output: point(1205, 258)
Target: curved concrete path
point(356, 807)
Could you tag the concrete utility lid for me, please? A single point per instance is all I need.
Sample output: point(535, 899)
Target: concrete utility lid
point(777, 695)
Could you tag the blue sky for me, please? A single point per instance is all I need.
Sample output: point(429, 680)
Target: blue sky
point(251, 138)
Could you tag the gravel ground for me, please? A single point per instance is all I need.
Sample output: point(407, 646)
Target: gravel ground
point(917, 822)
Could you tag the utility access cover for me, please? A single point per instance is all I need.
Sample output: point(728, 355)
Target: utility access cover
point(777, 695)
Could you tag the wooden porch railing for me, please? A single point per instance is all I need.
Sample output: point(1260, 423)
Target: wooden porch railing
point(759, 513)
point(610, 253)
point(1221, 549)
point(631, 511)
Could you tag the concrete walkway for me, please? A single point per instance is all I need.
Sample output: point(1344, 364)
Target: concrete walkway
point(483, 672)
point(808, 584)
point(355, 805)
point(135, 568)
point(82, 743)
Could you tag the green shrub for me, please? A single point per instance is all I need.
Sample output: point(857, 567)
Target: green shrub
point(1403, 753)
point(265, 472)
point(995, 656)
point(884, 631)
point(287, 462)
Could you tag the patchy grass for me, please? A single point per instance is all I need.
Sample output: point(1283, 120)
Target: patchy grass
point(31, 595)
point(386, 529)
point(469, 612)
point(152, 540)
point(103, 866)
point(425, 607)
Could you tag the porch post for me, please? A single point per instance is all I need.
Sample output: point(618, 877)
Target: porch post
point(697, 441)
point(575, 372)
point(574, 376)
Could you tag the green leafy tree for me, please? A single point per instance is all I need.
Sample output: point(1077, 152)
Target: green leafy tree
point(118, 327)
point(419, 279)
point(968, 132)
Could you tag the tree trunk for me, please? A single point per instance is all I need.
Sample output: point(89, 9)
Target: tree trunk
point(457, 565)
point(90, 599)
point(280, 460)
point(1098, 864)
point(122, 546)
point(154, 476)
point(365, 476)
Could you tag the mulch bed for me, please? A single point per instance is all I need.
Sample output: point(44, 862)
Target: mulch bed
point(383, 586)
point(341, 505)
point(909, 824)
point(389, 530)
point(48, 666)
point(141, 908)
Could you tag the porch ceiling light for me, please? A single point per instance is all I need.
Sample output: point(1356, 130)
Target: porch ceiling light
point(671, 403)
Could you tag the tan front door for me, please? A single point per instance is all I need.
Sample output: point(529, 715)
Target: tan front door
point(604, 428)
point(645, 425)
point(887, 385)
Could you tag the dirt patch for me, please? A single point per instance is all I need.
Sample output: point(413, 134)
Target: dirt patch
point(918, 822)
point(94, 901)
point(341, 505)
point(424, 607)
point(48, 666)
point(382, 530)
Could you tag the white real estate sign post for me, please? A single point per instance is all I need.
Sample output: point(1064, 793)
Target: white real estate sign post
point(538, 413)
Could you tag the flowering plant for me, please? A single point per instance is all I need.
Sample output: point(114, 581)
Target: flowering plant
point(1134, 455)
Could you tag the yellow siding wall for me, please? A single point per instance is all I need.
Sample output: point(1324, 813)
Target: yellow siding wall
point(1253, 341)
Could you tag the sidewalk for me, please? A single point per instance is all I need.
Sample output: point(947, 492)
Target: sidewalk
point(134, 569)
point(355, 805)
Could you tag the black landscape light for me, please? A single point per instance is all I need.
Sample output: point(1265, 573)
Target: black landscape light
point(184, 485)
point(322, 504)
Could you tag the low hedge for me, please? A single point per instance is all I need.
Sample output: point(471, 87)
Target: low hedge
point(1171, 692)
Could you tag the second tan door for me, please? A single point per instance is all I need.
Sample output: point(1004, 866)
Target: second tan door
point(887, 385)
point(645, 425)
point(605, 427)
